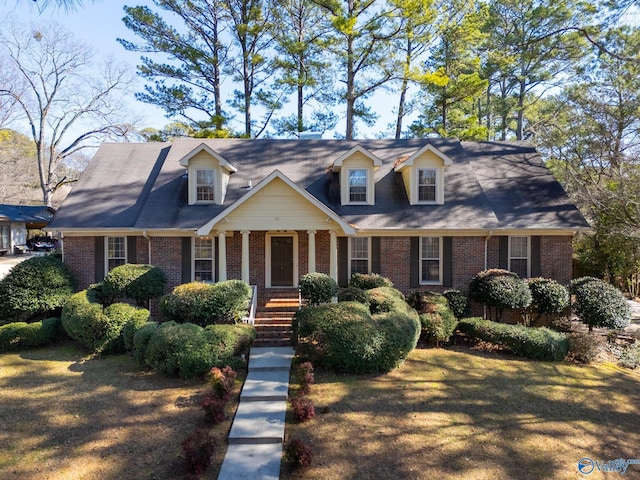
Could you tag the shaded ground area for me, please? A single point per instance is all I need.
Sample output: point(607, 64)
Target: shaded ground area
point(467, 414)
point(63, 416)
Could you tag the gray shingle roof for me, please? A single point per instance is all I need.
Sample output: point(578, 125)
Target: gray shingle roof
point(488, 186)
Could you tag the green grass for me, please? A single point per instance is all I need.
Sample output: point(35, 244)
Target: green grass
point(466, 414)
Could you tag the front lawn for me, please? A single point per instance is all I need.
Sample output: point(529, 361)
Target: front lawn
point(67, 416)
point(469, 414)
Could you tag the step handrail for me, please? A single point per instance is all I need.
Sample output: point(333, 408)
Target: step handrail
point(253, 304)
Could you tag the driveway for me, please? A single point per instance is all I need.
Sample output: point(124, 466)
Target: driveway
point(8, 262)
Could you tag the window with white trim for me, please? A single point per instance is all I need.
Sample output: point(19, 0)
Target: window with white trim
point(431, 260)
point(204, 185)
point(427, 181)
point(358, 180)
point(116, 252)
point(203, 259)
point(519, 254)
point(359, 255)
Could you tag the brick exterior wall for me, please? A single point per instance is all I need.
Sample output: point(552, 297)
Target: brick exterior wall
point(468, 258)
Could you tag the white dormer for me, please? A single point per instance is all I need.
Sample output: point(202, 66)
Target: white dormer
point(208, 174)
point(423, 175)
point(357, 183)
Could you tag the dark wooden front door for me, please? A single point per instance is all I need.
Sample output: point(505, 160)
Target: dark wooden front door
point(282, 261)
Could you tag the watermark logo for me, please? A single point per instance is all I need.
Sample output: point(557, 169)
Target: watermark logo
point(620, 465)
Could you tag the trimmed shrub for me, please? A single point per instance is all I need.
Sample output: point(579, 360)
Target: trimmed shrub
point(600, 304)
point(133, 281)
point(317, 288)
point(198, 449)
point(585, 347)
point(436, 318)
point(458, 303)
point(19, 335)
point(297, 454)
point(500, 289)
point(141, 339)
point(630, 357)
point(353, 294)
point(95, 328)
point(537, 343)
point(367, 281)
point(36, 287)
point(215, 401)
point(385, 299)
point(189, 351)
point(139, 318)
point(303, 408)
point(345, 337)
point(205, 304)
point(548, 297)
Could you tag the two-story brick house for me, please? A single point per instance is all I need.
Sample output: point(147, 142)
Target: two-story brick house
point(427, 213)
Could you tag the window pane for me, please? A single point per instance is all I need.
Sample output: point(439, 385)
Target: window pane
point(431, 271)
point(204, 185)
point(359, 255)
point(203, 260)
point(116, 252)
point(519, 266)
point(5, 236)
point(427, 185)
point(431, 247)
point(358, 185)
point(359, 266)
point(430, 259)
point(518, 247)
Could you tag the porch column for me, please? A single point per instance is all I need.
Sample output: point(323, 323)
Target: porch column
point(333, 256)
point(245, 255)
point(222, 256)
point(312, 251)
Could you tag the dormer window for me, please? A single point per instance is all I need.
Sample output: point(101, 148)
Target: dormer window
point(427, 185)
point(205, 181)
point(357, 185)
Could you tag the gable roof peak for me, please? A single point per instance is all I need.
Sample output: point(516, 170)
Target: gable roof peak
point(407, 161)
point(337, 164)
point(203, 147)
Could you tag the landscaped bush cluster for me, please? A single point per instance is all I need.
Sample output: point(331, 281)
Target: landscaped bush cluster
point(35, 289)
point(369, 281)
point(548, 297)
point(206, 304)
point(458, 303)
point(353, 294)
point(630, 357)
point(18, 335)
point(97, 328)
point(537, 343)
point(436, 318)
point(585, 347)
point(213, 403)
point(188, 350)
point(346, 336)
point(317, 288)
point(499, 289)
point(600, 304)
point(135, 282)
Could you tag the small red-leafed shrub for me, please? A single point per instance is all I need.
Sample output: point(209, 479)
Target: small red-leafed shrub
point(303, 408)
point(297, 453)
point(197, 449)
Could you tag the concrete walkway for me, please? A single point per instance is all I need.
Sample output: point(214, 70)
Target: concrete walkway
point(257, 432)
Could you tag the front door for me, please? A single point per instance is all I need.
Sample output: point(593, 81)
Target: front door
point(282, 261)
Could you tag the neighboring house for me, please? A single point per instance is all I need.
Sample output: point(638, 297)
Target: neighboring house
point(426, 213)
point(16, 220)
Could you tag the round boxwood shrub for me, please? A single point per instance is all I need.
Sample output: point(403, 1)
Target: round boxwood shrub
point(141, 339)
point(436, 318)
point(500, 289)
point(353, 294)
point(385, 299)
point(19, 335)
point(37, 287)
point(367, 281)
point(133, 281)
point(600, 304)
point(345, 337)
point(94, 327)
point(548, 297)
point(317, 288)
point(190, 351)
point(204, 304)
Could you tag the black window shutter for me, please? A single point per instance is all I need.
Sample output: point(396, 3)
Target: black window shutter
point(99, 258)
point(375, 255)
point(414, 262)
point(447, 261)
point(503, 253)
point(216, 259)
point(131, 250)
point(343, 261)
point(186, 259)
point(536, 269)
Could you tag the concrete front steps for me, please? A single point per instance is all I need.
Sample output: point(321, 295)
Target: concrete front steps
point(257, 432)
point(276, 308)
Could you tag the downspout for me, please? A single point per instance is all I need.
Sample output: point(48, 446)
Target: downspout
point(146, 235)
point(486, 262)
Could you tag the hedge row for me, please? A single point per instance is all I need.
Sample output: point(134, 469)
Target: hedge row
point(346, 337)
point(537, 343)
point(188, 350)
point(19, 335)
